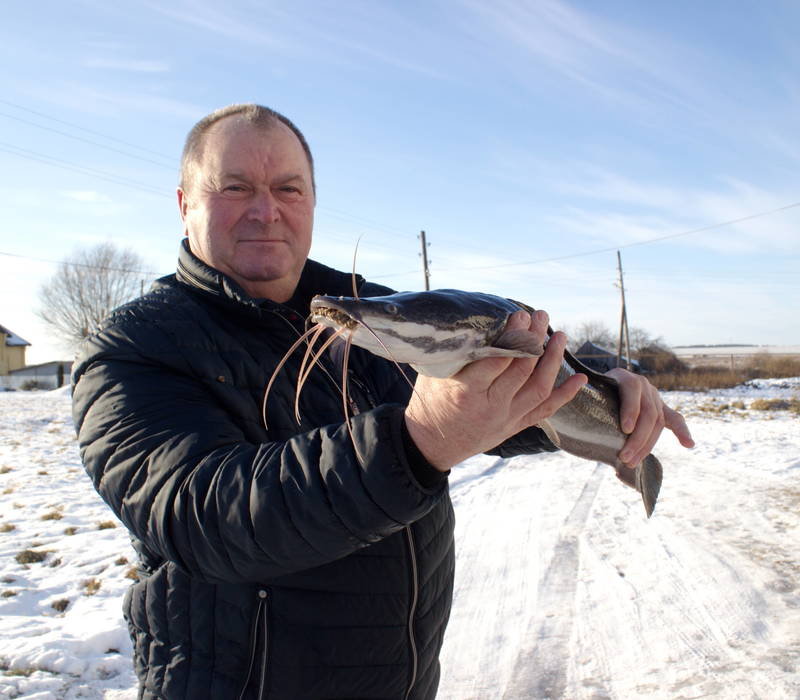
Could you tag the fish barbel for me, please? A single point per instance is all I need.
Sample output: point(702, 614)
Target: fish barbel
point(438, 332)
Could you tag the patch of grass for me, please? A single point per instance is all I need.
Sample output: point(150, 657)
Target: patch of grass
point(121, 561)
point(52, 515)
point(763, 366)
point(56, 562)
point(25, 672)
point(43, 472)
point(132, 574)
point(91, 586)
point(8, 594)
point(776, 405)
point(8, 490)
point(106, 525)
point(7, 579)
point(5, 469)
point(60, 605)
point(7, 527)
point(29, 556)
point(71, 530)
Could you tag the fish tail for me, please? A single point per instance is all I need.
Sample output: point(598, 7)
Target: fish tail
point(648, 482)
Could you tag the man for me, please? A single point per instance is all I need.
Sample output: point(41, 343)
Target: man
point(276, 563)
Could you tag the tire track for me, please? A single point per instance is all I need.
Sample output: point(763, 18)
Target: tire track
point(540, 669)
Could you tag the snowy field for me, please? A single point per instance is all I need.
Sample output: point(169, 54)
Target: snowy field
point(563, 588)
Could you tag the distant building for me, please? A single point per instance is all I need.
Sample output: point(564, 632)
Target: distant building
point(48, 375)
point(12, 351)
point(601, 360)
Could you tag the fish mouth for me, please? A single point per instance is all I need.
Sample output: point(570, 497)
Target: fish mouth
point(323, 309)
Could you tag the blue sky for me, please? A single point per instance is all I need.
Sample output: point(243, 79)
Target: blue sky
point(521, 136)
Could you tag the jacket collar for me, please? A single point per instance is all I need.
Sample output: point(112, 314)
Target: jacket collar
point(316, 278)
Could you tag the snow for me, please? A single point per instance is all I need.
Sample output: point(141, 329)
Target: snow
point(563, 588)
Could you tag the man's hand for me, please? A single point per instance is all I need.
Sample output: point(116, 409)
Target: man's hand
point(489, 400)
point(643, 415)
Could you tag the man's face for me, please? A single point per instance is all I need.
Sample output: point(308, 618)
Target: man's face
point(248, 206)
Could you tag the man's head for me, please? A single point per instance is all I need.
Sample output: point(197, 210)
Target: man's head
point(247, 199)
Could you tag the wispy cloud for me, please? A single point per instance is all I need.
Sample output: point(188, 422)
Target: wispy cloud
point(89, 196)
point(131, 65)
point(83, 98)
point(624, 65)
point(365, 35)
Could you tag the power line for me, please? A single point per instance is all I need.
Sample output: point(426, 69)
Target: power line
point(89, 141)
point(67, 165)
point(116, 179)
point(83, 265)
point(81, 128)
point(630, 245)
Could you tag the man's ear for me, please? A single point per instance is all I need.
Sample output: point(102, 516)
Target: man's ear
point(183, 203)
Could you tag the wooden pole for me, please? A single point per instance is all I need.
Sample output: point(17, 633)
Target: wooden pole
point(425, 269)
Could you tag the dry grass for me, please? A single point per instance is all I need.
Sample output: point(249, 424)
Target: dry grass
point(705, 378)
point(792, 405)
point(106, 525)
point(29, 556)
point(91, 586)
point(60, 605)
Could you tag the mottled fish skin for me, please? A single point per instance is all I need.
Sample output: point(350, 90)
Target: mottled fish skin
point(439, 332)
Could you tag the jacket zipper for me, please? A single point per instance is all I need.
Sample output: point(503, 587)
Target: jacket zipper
point(261, 614)
point(412, 611)
point(412, 550)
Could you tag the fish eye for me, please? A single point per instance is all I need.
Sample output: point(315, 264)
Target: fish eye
point(391, 308)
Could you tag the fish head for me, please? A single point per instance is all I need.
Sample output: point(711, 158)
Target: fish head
point(436, 332)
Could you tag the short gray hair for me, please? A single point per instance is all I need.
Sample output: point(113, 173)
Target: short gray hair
point(257, 115)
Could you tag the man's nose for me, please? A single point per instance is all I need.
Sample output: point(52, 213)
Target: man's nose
point(264, 207)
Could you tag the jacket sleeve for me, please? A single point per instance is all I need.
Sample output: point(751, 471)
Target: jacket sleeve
point(180, 474)
point(529, 441)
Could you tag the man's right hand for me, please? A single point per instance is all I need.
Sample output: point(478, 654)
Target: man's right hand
point(489, 400)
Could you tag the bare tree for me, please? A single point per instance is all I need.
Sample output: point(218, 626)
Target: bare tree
point(86, 287)
point(596, 332)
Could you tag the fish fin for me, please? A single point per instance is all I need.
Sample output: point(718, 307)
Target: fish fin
point(649, 476)
point(518, 341)
point(646, 479)
point(550, 431)
point(629, 477)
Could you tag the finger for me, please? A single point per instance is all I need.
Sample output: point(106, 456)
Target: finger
point(649, 424)
point(519, 320)
point(481, 374)
point(539, 322)
point(539, 385)
point(631, 401)
point(559, 397)
point(676, 423)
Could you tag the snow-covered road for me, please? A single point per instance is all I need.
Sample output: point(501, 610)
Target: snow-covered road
point(563, 588)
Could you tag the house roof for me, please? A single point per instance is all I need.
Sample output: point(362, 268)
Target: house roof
point(12, 339)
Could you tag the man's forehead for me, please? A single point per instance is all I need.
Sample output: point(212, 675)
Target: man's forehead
point(235, 127)
point(233, 138)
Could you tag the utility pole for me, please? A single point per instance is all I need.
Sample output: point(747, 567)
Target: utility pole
point(425, 270)
point(623, 322)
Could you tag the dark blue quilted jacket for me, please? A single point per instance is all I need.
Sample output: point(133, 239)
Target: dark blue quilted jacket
point(274, 564)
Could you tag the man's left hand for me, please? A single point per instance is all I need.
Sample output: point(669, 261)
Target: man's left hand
point(643, 415)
